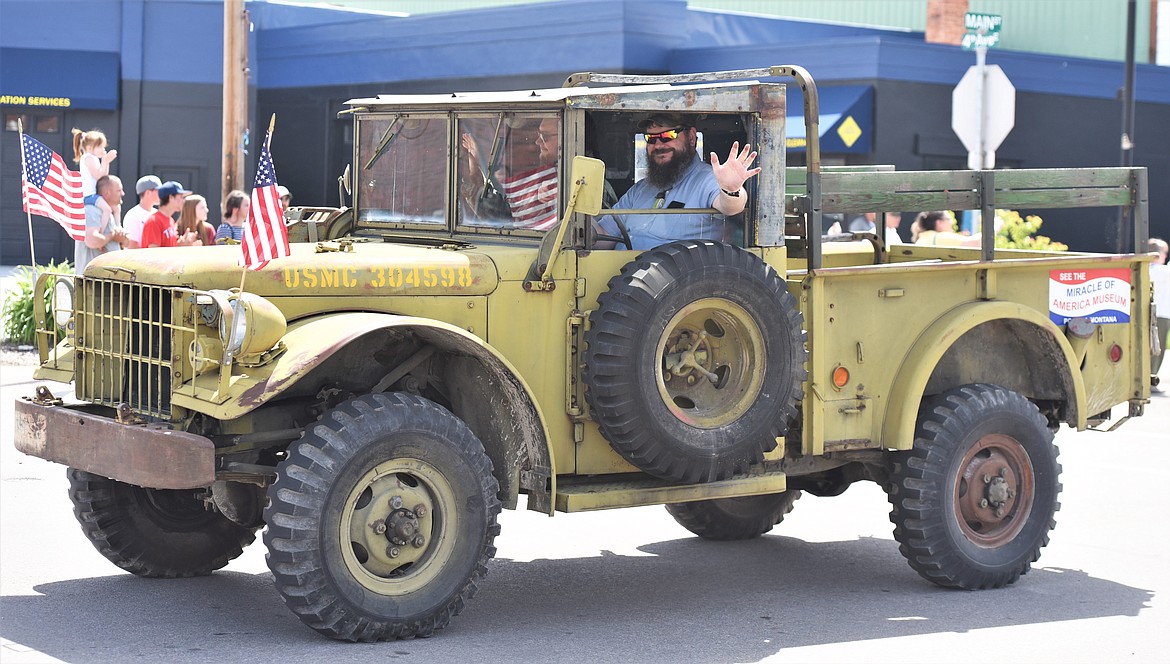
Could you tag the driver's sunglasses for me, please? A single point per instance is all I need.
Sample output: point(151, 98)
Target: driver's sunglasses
point(664, 136)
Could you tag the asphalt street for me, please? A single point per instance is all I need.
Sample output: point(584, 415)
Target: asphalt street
point(827, 585)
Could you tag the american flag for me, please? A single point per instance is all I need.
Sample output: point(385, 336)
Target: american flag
point(532, 197)
point(52, 190)
point(265, 236)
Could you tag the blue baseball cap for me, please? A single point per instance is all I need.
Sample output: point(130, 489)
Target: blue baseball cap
point(171, 188)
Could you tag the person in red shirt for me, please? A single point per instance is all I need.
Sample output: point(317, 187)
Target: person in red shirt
point(159, 230)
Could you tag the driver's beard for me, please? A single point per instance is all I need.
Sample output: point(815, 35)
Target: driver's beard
point(665, 175)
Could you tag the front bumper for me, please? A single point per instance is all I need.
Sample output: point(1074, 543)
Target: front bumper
point(144, 455)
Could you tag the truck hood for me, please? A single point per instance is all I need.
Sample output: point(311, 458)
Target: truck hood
point(369, 269)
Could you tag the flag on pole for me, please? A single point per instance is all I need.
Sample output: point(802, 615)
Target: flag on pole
point(265, 236)
point(50, 189)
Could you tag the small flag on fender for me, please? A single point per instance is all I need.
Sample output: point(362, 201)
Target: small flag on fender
point(265, 236)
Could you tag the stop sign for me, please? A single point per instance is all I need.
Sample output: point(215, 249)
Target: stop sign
point(999, 114)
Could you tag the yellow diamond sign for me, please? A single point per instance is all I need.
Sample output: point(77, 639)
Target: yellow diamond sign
point(849, 131)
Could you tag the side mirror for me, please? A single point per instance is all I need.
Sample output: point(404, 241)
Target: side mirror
point(586, 189)
point(590, 173)
point(343, 186)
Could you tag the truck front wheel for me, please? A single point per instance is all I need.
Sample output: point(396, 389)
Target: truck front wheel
point(975, 498)
point(734, 518)
point(382, 519)
point(154, 532)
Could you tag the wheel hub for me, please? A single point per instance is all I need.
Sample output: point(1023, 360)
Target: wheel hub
point(403, 527)
point(391, 524)
point(688, 358)
point(994, 492)
point(712, 363)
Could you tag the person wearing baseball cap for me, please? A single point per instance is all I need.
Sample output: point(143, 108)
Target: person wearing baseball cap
point(135, 218)
point(159, 230)
point(285, 197)
point(170, 188)
point(677, 177)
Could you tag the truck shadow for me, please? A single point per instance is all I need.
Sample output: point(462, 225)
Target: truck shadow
point(687, 600)
point(701, 601)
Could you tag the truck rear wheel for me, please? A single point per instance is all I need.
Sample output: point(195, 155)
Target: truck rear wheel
point(154, 532)
point(695, 361)
point(975, 498)
point(734, 518)
point(382, 519)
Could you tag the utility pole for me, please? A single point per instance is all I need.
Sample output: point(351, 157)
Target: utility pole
point(1127, 124)
point(235, 94)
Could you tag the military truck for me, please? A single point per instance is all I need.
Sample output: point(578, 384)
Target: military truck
point(428, 355)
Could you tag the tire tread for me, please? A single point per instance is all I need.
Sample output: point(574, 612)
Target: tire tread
point(918, 478)
point(619, 323)
point(302, 486)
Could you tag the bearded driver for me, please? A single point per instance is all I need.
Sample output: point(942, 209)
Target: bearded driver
point(678, 178)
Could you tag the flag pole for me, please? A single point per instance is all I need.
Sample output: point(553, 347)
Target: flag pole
point(237, 306)
point(32, 252)
point(267, 144)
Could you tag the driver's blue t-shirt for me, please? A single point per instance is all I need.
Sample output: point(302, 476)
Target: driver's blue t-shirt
point(696, 188)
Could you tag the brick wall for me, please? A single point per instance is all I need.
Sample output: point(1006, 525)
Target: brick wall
point(944, 21)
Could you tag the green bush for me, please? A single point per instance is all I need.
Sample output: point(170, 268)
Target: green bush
point(20, 326)
point(1020, 233)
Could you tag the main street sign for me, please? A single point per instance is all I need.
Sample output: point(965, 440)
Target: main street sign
point(982, 30)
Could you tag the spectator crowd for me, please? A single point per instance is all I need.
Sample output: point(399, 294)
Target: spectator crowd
point(167, 214)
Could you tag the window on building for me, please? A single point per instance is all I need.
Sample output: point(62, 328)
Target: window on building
point(48, 124)
point(15, 121)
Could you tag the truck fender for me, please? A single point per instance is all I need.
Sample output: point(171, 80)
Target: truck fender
point(933, 344)
point(515, 436)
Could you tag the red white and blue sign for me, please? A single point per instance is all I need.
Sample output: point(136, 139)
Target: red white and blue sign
point(1101, 295)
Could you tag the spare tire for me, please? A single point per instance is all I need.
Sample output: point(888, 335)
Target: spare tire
point(695, 361)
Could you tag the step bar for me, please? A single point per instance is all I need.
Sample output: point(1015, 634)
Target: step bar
point(613, 491)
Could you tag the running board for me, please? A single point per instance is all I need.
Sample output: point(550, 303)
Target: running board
point(612, 491)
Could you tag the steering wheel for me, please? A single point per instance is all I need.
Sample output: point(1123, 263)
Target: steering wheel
point(624, 239)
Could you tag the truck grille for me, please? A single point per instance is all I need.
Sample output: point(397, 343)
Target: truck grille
point(124, 336)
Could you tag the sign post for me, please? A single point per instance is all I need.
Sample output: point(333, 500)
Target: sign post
point(983, 104)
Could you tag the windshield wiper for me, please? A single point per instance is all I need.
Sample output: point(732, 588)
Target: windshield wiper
point(384, 142)
point(489, 184)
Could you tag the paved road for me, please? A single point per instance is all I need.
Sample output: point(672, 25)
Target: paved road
point(631, 586)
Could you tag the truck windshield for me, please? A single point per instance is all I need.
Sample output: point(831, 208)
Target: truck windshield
point(403, 162)
point(508, 174)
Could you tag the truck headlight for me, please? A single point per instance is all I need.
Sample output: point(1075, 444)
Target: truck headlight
point(254, 326)
point(63, 301)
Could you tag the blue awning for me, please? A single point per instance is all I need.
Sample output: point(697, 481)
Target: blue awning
point(58, 79)
point(845, 122)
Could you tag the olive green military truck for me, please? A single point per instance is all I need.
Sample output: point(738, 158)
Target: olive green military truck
point(437, 351)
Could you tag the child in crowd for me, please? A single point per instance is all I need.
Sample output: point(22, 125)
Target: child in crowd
point(89, 151)
point(194, 218)
point(235, 213)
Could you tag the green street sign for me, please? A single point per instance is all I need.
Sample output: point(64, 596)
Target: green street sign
point(982, 23)
point(982, 30)
point(972, 41)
